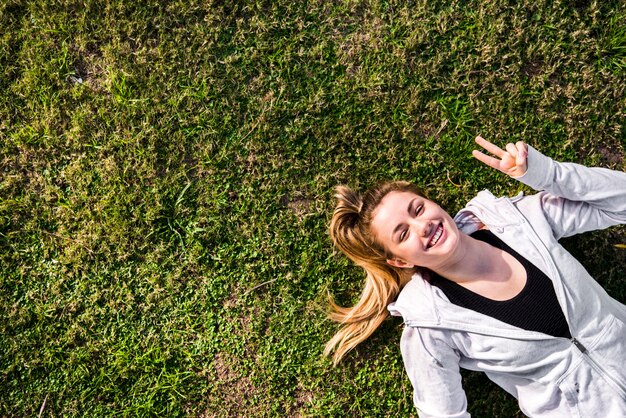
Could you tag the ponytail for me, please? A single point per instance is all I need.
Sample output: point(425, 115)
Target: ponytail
point(350, 233)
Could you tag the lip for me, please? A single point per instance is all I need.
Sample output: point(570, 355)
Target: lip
point(441, 238)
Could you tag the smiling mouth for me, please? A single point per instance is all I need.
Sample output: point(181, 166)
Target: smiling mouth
point(436, 236)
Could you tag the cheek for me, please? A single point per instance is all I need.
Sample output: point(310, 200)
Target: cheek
point(453, 237)
point(411, 248)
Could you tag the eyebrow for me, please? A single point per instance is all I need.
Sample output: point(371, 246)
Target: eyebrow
point(409, 211)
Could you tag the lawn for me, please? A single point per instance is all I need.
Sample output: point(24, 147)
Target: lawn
point(167, 173)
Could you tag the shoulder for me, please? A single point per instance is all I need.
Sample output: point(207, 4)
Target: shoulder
point(415, 302)
point(488, 210)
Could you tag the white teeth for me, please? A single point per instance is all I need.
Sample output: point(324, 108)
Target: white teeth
point(435, 239)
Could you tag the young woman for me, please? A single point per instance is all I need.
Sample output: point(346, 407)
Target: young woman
point(492, 290)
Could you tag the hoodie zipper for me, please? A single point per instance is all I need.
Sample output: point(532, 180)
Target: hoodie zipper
point(579, 345)
point(598, 366)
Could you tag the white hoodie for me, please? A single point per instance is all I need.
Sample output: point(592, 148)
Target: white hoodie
point(550, 376)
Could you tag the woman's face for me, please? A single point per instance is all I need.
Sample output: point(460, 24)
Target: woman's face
point(417, 231)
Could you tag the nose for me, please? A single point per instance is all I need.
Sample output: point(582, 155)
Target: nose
point(423, 227)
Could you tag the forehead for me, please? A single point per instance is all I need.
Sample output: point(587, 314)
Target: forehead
point(391, 211)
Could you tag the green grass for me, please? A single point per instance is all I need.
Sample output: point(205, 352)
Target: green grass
point(167, 172)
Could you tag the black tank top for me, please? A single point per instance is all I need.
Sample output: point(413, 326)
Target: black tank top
point(534, 308)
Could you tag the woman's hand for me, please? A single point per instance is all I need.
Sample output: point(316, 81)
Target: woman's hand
point(511, 162)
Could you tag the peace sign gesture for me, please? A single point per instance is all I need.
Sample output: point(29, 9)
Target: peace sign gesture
point(511, 162)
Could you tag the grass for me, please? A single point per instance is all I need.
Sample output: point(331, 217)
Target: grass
point(167, 174)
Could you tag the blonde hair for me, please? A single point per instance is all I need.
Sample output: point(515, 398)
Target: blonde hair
point(350, 231)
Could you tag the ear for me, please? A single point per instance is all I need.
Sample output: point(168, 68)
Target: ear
point(396, 262)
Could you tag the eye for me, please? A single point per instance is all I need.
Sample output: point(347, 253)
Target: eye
point(419, 210)
point(403, 235)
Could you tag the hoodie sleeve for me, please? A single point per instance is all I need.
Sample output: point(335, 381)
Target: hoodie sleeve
point(576, 198)
point(433, 368)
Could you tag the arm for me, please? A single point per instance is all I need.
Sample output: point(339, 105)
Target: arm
point(574, 198)
point(437, 390)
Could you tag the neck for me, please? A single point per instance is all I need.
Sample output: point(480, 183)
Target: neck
point(472, 260)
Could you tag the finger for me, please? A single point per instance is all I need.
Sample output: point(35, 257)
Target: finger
point(522, 148)
point(522, 154)
point(494, 149)
point(510, 148)
point(490, 161)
